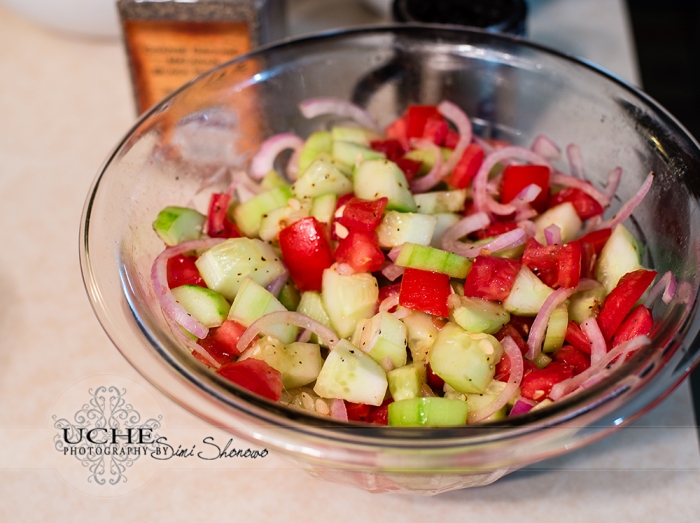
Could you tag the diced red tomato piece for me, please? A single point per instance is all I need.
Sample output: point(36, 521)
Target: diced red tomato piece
point(621, 300)
point(386, 292)
point(538, 384)
point(523, 324)
point(425, 291)
point(502, 370)
point(575, 358)
point(306, 252)
point(391, 148)
point(361, 251)
point(409, 167)
point(416, 118)
point(181, 270)
point(357, 411)
point(597, 239)
point(588, 260)
point(218, 223)
point(398, 131)
point(467, 167)
point(569, 265)
point(491, 278)
point(256, 376)
point(495, 229)
point(342, 200)
point(585, 205)
point(637, 323)
point(577, 338)
point(363, 215)
point(435, 382)
point(510, 330)
point(221, 341)
point(380, 415)
point(543, 261)
point(435, 130)
point(452, 139)
point(517, 177)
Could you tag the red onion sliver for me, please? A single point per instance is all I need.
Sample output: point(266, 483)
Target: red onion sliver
point(629, 206)
point(614, 177)
point(304, 336)
point(539, 326)
point(667, 283)
point(387, 364)
point(546, 148)
point(501, 242)
point(552, 234)
point(293, 165)
point(466, 225)
point(389, 303)
point(570, 181)
point(394, 252)
point(561, 389)
point(521, 406)
point(263, 162)
point(338, 410)
point(433, 177)
point(159, 277)
point(297, 319)
point(573, 153)
point(318, 106)
point(275, 287)
point(529, 227)
point(516, 377)
point(595, 337)
point(392, 271)
point(195, 347)
point(464, 128)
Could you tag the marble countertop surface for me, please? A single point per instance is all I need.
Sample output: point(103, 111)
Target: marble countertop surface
point(64, 103)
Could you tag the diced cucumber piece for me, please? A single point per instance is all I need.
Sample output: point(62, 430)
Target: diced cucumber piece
point(356, 135)
point(382, 336)
point(348, 299)
point(323, 207)
point(428, 412)
point(351, 375)
point(542, 360)
point(621, 254)
point(277, 219)
point(378, 178)
point(427, 158)
point(178, 224)
point(322, 177)
point(312, 306)
point(289, 296)
point(351, 153)
point(253, 302)
point(556, 329)
point(422, 334)
point(406, 382)
point(299, 363)
point(205, 305)
point(564, 216)
point(316, 144)
point(586, 304)
point(466, 361)
point(398, 228)
point(226, 265)
point(249, 215)
point(445, 220)
point(542, 404)
point(273, 179)
point(432, 259)
point(441, 201)
point(527, 295)
point(478, 401)
point(477, 315)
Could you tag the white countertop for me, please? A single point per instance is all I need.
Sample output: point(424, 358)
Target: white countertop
point(64, 103)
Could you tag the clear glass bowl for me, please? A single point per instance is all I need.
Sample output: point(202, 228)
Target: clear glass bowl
point(513, 90)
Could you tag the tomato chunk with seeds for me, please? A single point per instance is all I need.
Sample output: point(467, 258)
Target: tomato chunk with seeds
point(435, 130)
point(181, 270)
point(495, 229)
point(361, 251)
point(380, 415)
point(416, 118)
point(409, 167)
point(391, 148)
point(621, 299)
point(491, 278)
point(357, 411)
point(467, 167)
point(363, 215)
point(538, 384)
point(221, 342)
point(569, 265)
point(306, 252)
point(256, 376)
point(575, 358)
point(577, 338)
point(543, 261)
point(517, 177)
point(638, 323)
point(585, 205)
point(218, 223)
point(425, 291)
point(597, 239)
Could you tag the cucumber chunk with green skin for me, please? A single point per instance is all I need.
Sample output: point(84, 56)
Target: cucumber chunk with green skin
point(205, 305)
point(428, 412)
point(586, 304)
point(398, 228)
point(427, 158)
point(272, 180)
point(563, 216)
point(316, 144)
point(249, 215)
point(541, 360)
point(382, 336)
point(322, 177)
point(227, 264)
point(445, 220)
point(350, 153)
point(175, 225)
point(356, 135)
point(277, 219)
point(348, 299)
point(312, 306)
point(406, 382)
point(527, 294)
point(299, 363)
point(253, 302)
point(381, 178)
point(434, 260)
point(477, 315)
point(556, 329)
point(441, 201)
point(621, 254)
point(351, 375)
point(464, 360)
point(289, 296)
point(422, 334)
point(478, 401)
point(323, 207)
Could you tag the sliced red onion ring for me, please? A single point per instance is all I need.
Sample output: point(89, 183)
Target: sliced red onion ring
point(595, 337)
point(435, 175)
point(527, 195)
point(573, 153)
point(264, 161)
point(516, 377)
point(338, 410)
point(539, 326)
point(570, 181)
point(552, 234)
point(159, 277)
point(482, 201)
point(304, 336)
point(392, 271)
point(326, 335)
point(394, 252)
point(387, 364)
point(275, 287)
point(389, 303)
point(464, 128)
point(466, 225)
point(501, 242)
point(629, 206)
point(667, 284)
point(317, 106)
point(546, 148)
point(614, 177)
point(563, 388)
point(521, 406)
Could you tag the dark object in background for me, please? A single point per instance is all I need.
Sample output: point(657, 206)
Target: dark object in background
point(506, 16)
